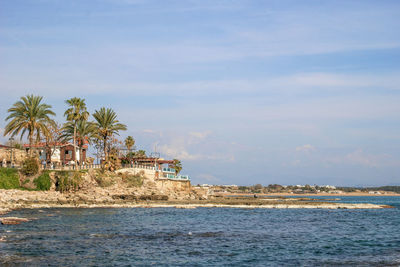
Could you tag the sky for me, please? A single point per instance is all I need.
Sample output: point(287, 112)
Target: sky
point(242, 92)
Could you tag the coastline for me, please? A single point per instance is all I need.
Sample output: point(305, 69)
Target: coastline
point(186, 205)
point(354, 194)
point(17, 199)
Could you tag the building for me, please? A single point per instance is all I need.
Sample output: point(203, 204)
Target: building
point(160, 166)
point(58, 153)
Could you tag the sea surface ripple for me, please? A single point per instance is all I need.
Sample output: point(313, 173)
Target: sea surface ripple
point(205, 237)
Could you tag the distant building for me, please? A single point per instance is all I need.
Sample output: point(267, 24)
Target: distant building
point(160, 166)
point(329, 187)
point(61, 153)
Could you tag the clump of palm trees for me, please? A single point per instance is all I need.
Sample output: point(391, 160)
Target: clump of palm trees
point(30, 115)
point(75, 114)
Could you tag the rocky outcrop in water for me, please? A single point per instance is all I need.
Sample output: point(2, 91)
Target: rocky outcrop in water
point(13, 220)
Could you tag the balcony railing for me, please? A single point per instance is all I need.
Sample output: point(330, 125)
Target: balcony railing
point(169, 170)
point(138, 166)
point(174, 177)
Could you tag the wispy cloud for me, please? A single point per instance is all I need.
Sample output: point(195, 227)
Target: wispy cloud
point(305, 148)
point(362, 158)
point(208, 177)
point(179, 145)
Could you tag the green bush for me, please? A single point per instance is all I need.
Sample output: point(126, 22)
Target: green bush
point(125, 161)
point(133, 180)
point(104, 181)
point(43, 182)
point(9, 178)
point(68, 181)
point(112, 163)
point(30, 167)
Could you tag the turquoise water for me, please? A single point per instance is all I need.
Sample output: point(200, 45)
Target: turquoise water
point(205, 237)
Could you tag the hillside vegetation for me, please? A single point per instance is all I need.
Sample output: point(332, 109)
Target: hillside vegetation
point(9, 178)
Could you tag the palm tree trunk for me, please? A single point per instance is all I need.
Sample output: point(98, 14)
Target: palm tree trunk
point(74, 151)
point(80, 155)
point(105, 148)
point(30, 143)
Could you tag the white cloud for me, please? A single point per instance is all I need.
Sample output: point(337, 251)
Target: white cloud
point(149, 131)
point(361, 158)
point(178, 152)
point(321, 80)
point(208, 177)
point(305, 148)
point(190, 145)
point(181, 152)
point(300, 83)
point(200, 135)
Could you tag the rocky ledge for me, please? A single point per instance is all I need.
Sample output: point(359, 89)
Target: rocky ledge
point(16, 199)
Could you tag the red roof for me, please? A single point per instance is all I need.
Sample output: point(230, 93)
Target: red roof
point(152, 160)
point(42, 144)
point(3, 146)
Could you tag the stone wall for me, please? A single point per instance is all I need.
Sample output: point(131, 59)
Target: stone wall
point(174, 189)
point(180, 186)
point(18, 155)
point(149, 173)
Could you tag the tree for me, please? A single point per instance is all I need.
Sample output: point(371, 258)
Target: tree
point(85, 132)
point(177, 165)
point(113, 146)
point(29, 115)
point(107, 125)
point(76, 112)
point(140, 154)
point(129, 143)
point(53, 138)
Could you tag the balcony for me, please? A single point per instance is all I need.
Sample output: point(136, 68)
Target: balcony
point(174, 177)
point(168, 170)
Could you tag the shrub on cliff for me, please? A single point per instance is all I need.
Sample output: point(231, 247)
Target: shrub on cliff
point(133, 180)
point(104, 179)
point(9, 178)
point(68, 181)
point(30, 166)
point(43, 182)
point(112, 163)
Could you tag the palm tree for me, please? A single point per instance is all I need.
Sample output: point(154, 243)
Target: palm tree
point(75, 113)
point(107, 125)
point(177, 165)
point(129, 142)
point(29, 114)
point(84, 132)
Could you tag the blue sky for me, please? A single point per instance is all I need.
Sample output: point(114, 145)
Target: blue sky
point(243, 92)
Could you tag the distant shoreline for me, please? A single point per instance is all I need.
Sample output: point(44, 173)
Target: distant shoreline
point(16, 199)
point(355, 194)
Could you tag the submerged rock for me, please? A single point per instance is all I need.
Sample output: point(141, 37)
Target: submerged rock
point(13, 220)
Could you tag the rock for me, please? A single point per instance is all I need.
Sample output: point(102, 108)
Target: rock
point(3, 211)
point(153, 197)
point(125, 197)
point(184, 207)
point(13, 220)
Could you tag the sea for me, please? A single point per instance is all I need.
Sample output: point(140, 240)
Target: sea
point(205, 236)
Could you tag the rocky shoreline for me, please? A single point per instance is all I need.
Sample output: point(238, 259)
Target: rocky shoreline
point(153, 193)
point(17, 199)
